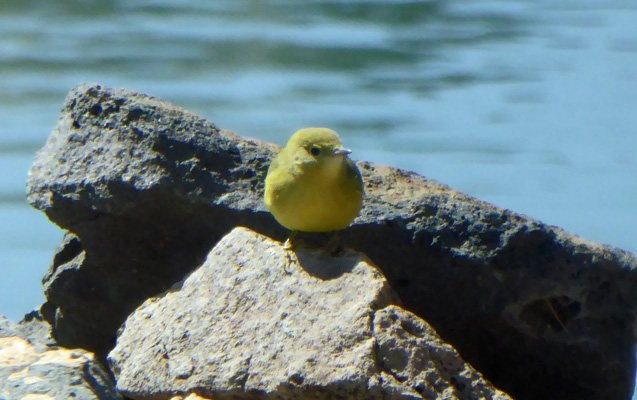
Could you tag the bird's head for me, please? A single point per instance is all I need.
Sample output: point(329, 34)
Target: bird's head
point(319, 147)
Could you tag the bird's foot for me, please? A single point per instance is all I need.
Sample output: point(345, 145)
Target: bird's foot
point(289, 245)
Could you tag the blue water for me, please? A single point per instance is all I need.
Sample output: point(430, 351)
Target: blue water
point(530, 105)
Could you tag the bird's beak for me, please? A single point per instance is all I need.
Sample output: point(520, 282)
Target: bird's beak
point(341, 152)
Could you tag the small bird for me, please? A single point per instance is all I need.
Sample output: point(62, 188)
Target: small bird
point(312, 185)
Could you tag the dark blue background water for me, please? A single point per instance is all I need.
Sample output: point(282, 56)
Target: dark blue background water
point(530, 105)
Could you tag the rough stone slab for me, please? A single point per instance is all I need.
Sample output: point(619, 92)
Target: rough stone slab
point(31, 370)
point(147, 189)
point(251, 323)
point(411, 351)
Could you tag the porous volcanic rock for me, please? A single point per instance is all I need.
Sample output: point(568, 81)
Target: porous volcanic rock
point(146, 190)
point(258, 322)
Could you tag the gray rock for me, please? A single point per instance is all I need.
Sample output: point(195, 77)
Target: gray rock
point(32, 328)
point(35, 328)
point(148, 188)
point(33, 370)
point(8, 328)
point(255, 321)
point(413, 354)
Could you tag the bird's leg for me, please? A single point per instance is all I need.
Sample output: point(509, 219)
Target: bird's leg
point(334, 246)
point(288, 245)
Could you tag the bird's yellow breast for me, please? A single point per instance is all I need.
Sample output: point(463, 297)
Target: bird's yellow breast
point(313, 197)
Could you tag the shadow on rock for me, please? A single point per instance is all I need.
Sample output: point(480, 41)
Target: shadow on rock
point(324, 266)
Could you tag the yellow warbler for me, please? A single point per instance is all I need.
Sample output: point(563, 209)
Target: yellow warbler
point(312, 185)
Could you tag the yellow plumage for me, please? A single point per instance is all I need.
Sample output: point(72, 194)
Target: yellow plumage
point(312, 185)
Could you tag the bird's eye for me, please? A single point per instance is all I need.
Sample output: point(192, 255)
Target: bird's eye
point(315, 150)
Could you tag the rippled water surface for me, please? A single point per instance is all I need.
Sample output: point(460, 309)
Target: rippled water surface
point(530, 105)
